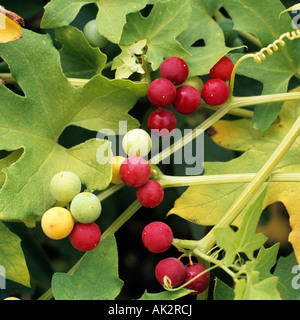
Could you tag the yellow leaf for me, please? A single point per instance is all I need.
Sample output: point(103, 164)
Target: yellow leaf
point(10, 26)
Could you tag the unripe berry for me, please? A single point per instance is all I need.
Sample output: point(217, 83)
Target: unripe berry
point(93, 36)
point(57, 223)
point(117, 161)
point(201, 283)
point(157, 237)
point(222, 69)
point(85, 236)
point(150, 194)
point(171, 268)
point(137, 142)
point(195, 82)
point(86, 207)
point(187, 100)
point(174, 69)
point(215, 92)
point(64, 186)
point(161, 92)
point(135, 171)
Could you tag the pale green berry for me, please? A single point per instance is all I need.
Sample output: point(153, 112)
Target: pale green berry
point(85, 207)
point(195, 82)
point(93, 36)
point(137, 142)
point(64, 186)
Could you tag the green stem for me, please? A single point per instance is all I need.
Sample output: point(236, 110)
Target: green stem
point(230, 104)
point(184, 181)
point(263, 174)
point(239, 112)
point(109, 191)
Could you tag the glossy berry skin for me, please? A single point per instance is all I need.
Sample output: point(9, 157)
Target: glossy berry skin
point(162, 122)
point(57, 223)
point(201, 283)
point(137, 142)
point(161, 92)
point(135, 171)
point(187, 99)
point(222, 69)
point(157, 237)
point(64, 186)
point(85, 236)
point(85, 207)
point(150, 194)
point(215, 92)
point(174, 69)
point(171, 267)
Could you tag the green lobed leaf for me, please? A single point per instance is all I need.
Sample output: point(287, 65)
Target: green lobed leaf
point(34, 122)
point(12, 257)
point(160, 29)
point(262, 19)
point(96, 277)
point(246, 239)
point(203, 27)
point(78, 58)
point(110, 21)
point(222, 291)
point(259, 283)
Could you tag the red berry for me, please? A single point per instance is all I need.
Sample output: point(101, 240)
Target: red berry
point(201, 283)
point(174, 69)
point(135, 171)
point(187, 100)
point(173, 268)
point(215, 92)
point(161, 92)
point(85, 236)
point(162, 122)
point(222, 69)
point(150, 194)
point(157, 237)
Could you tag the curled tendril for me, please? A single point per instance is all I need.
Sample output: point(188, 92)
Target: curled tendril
point(167, 283)
point(260, 56)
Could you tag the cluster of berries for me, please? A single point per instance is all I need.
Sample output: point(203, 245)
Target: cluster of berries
point(174, 88)
point(157, 237)
point(135, 171)
point(78, 221)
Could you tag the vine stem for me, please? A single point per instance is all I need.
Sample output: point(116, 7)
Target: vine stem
point(230, 104)
point(263, 174)
point(185, 181)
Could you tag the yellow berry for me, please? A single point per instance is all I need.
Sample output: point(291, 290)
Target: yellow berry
point(12, 298)
point(57, 223)
point(117, 161)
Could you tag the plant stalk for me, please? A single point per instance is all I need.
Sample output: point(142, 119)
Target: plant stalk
point(185, 181)
point(263, 174)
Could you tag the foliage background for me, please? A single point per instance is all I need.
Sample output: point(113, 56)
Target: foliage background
point(136, 265)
